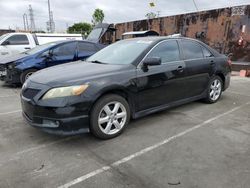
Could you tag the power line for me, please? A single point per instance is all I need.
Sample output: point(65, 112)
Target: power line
point(195, 5)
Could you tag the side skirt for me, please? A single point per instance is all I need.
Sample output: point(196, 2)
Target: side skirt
point(167, 106)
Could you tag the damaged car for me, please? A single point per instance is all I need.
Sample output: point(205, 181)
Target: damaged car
point(17, 68)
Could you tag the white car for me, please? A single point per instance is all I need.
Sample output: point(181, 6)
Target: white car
point(14, 43)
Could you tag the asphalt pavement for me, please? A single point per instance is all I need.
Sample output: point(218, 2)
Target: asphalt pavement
point(196, 145)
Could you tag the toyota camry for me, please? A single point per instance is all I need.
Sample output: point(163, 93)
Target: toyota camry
point(126, 80)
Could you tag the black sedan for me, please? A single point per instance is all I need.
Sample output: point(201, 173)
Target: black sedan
point(129, 79)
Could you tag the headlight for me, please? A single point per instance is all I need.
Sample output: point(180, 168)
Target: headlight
point(65, 91)
point(11, 65)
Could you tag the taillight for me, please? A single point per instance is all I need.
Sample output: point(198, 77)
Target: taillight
point(229, 62)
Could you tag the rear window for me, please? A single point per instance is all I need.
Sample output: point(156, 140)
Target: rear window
point(191, 50)
point(206, 52)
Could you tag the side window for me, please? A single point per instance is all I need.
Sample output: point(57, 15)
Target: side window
point(65, 50)
point(192, 50)
point(85, 46)
point(168, 51)
point(206, 52)
point(17, 40)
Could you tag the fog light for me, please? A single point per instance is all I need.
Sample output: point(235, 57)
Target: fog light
point(50, 123)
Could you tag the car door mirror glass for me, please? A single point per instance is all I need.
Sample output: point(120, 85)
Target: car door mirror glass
point(152, 61)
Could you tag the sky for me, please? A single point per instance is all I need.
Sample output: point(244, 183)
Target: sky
point(68, 12)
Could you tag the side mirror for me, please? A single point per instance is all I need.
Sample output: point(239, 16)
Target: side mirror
point(6, 43)
point(47, 55)
point(152, 61)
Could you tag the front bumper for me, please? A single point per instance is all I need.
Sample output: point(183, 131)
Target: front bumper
point(54, 117)
point(12, 76)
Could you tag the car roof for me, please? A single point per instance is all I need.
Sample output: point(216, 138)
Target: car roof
point(66, 41)
point(160, 38)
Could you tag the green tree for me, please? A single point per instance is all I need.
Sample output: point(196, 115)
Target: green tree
point(98, 16)
point(82, 27)
point(150, 15)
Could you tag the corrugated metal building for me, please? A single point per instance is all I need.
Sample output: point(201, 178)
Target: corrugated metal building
point(226, 29)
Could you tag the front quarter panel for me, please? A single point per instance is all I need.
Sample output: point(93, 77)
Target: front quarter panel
point(33, 62)
point(120, 80)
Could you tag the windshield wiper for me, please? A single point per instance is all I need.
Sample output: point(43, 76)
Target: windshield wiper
point(96, 61)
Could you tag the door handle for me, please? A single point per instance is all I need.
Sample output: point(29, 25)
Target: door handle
point(180, 69)
point(27, 48)
point(212, 63)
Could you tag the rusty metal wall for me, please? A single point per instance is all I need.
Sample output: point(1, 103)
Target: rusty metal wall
point(227, 29)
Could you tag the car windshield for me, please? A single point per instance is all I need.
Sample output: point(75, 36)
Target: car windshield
point(1, 37)
point(40, 48)
point(122, 52)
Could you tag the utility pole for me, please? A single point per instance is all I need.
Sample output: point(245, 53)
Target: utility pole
point(24, 23)
point(32, 21)
point(50, 23)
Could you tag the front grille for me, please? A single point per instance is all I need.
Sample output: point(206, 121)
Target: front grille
point(30, 93)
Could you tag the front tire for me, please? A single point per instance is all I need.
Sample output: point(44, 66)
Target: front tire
point(214, 90)
point(26, 74)
point(109, 116)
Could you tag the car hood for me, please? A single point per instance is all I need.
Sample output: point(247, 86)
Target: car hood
point(12, 58)
point(74, 73)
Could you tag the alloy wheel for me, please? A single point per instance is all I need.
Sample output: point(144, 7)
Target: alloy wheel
point(215, 89)
point(112, 118)
point(28, 75)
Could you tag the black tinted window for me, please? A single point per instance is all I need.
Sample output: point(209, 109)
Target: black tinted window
point(192, 50)
point(85, 46)
point(206, 52)
point(168, 51)
point(18, 40)
point(65, 49)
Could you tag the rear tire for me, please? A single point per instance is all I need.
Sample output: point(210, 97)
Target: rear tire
point(109, 116)
point(26, 74)
point(214, 90)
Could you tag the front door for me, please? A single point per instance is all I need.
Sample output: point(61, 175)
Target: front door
point(63, 53)
point(15, 44)
point(161, 84)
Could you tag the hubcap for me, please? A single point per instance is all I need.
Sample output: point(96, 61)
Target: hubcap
point(215, 90)
point(28, 75)
point(112, 118)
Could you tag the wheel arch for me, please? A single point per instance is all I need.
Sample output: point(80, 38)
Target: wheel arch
point(222, 76)
point(118, 90)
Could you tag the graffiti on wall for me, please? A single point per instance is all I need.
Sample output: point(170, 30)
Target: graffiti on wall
point(227, 30)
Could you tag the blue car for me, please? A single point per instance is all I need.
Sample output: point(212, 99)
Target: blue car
point(16, 69)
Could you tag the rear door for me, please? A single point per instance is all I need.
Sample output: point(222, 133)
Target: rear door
point(86, 49)
point(199, 65)
point(63, 53)
point(165, 83)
